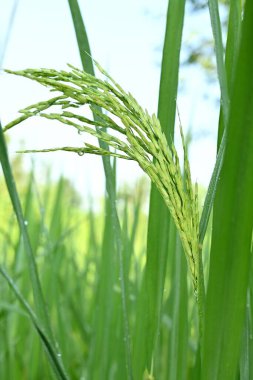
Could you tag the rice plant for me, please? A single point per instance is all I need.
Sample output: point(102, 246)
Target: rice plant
point(145, 142)
point(143, 322)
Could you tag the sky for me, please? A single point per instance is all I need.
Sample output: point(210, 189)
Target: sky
point(126, 38)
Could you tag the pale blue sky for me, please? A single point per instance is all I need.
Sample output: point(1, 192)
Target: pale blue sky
point(125, 37)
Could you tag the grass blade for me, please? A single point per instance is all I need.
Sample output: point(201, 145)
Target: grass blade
point(219, 50)
point(81, 37)
point(36, 286)
point(211, 191)
point(232, 45)
point(230, 253)
point(148, 318)
point(179, 334)
point(10, 182)
point(222, 76)
point(87, 63)
point(6, 39)
point(105, 300)
point(246, 363)
point(52, 354)
point(230, 59)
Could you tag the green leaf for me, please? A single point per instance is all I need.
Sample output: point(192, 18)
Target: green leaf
point(53, 356)
point(149, 307)
point(81, 37)
point(35, 282)
point(112, 216)
point(219, 50)
point(232, 47)
point(233, 39)
point(179, 329)
point(231, 243)
point(211, 191)
point(10, 182)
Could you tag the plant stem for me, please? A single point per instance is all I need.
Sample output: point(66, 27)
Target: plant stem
point(201, 299)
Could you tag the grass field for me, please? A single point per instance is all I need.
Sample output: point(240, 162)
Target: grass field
point(121, 293)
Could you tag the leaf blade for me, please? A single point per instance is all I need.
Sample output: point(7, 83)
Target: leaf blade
point(229, 271)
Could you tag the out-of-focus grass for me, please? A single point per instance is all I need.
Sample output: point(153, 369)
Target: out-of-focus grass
point(70, 249)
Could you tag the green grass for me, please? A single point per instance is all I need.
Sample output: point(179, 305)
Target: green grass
point(118, 293)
